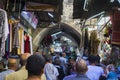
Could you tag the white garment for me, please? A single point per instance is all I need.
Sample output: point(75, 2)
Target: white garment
point(50, 71)
point(94, 72)
point(22, 48)
point(31, 49)
point(6, 29)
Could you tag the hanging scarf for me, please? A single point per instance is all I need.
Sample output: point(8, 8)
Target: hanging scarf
point(16, 36)
point(4, 30)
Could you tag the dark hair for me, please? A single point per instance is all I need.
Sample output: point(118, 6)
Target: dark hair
point(97, 58)
point(48, 57)
point(35, 65)
point(57, 61)
point(92, 58)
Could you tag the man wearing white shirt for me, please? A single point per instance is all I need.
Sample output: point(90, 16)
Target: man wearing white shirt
point(94, 72)
point(50, 70)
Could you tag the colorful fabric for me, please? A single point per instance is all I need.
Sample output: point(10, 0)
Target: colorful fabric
point(27, 44)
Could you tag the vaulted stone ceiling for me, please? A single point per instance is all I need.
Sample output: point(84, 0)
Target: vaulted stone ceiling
point(68, 30)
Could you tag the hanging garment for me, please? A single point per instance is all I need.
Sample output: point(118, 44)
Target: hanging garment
point(21, 39)
point(11, 39)
point(4, 30)
point(16, 36)
point(7, 43)
point(2, 47)
point(5, 23)
point(22, 44)
point(7, 46)
point(27, 44)
point(31, 49)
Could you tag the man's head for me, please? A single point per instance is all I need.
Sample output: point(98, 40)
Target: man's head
point(81, 66)
point(48, 58)
point(57, 61)
point(12, 64)
point(23, 58)
point(35, 65)
point(64, 54)
point(92, 59)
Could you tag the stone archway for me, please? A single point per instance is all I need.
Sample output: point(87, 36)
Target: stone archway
point(73, 34)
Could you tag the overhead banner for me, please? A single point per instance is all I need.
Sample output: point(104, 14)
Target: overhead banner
point(115, 19)
point(31, 18)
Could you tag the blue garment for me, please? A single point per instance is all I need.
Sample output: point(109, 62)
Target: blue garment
point(112, 76)
point(77, 77)
point(69, 77)
point(4, 73)
point(94, 72)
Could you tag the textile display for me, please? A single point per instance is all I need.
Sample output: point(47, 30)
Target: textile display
point(31, 48)
point(16, 36)
point(21, 38)
point(48, 40)
point(7, 46)
point(10, 50)
point(5, 23)
point(4, 30)
point(22, 41)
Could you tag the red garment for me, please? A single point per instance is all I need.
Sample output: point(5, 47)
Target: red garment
point(27, 45)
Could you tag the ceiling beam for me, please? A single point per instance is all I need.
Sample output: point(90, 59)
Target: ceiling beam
point(39, 7)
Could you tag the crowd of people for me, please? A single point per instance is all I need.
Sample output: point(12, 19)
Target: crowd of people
point(57, 66)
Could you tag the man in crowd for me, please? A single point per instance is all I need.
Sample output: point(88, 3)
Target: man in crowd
point(94, 72)
point(63, 61)
point(50, 70)
point(81, 69)
point(35, 65)
point(12, 66)
point(22, 73)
